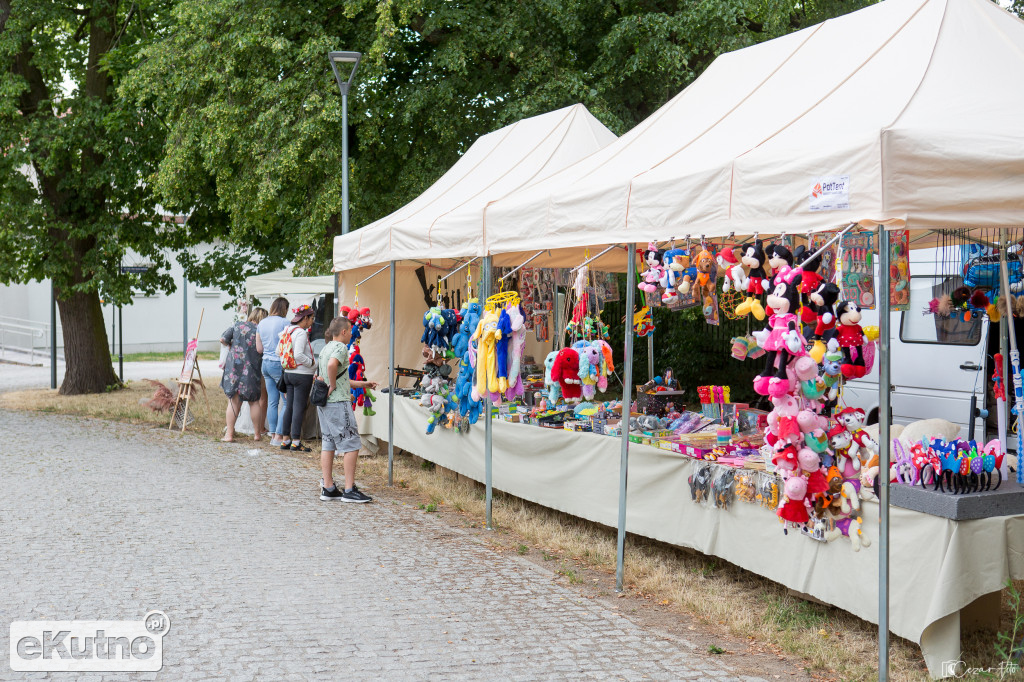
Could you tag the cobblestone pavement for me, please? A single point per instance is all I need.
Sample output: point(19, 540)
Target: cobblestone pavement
point(261, 580)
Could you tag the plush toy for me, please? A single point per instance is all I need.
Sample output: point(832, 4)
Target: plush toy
point(655, 270)
point(470, 319)
point(839, 439)
point(469, 408)
point(850, 336)
point(823, 300)
point(754, 259)
point(433, 324)
point(435, 404)
point(862, 446)
point(360, 320)
point(779, 257)
point(782, 420)
point(831, 366)
point(516, 348)
point(449, 331)
point(502, 338)
point(677, 276)
point(356, 370)
point(486, 360)
point(607, 365)
point(589, 360)
point(553, 387)
point(565, 370)
point(734, 274)
point(786, 459)
point(810, 466)
point(795, 507)
point(783, 341)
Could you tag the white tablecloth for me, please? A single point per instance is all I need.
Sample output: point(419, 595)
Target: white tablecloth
point(937, 566)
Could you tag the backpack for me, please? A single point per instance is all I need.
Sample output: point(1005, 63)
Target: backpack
point(285, 350)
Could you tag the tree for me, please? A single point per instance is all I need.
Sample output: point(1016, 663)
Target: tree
point(72, 196)
point(252, 108)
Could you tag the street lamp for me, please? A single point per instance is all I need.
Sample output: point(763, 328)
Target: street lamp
point(340, 63)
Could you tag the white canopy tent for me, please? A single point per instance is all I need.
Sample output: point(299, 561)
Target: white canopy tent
point(283, 283)
point(915, 102)
point(446, 221)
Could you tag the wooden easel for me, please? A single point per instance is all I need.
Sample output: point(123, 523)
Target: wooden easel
point(189, 379)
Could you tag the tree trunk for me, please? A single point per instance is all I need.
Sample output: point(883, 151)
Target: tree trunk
point(87, 358)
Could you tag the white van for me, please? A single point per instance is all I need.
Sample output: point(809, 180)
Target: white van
point(936, 364)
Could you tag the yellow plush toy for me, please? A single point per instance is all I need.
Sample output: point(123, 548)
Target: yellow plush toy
point(486, 355)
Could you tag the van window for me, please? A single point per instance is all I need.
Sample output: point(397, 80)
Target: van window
point(918, 327)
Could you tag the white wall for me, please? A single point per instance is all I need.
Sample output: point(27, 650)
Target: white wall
point(151, 323)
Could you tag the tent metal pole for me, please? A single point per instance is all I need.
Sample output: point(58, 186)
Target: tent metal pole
point(360, 282)
point(461, 267)
point(627, 400)
point(391, 383)
point(650, 355)
point(884, 445)
point(1004, 340)
point(594, 258)
point(485, 293)
point(521, 265)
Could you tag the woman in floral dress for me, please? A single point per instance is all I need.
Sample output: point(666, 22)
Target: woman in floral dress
point(243, 378)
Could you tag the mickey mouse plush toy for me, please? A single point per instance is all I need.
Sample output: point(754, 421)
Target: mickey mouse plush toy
point(754, 258)
point(850, 336)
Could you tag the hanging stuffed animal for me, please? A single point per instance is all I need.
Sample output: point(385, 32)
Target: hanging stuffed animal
point(468, 407)
point(470, 319)
point(552, 385)
point(589, 360)
point(516, 348)
point(807, 260)
point(362, 397)
point(753, 259)
point(676, 262)
point(565, 371)
point(862, 446)
point(433, 324)
point(607, 365)
point(850, 337)
point(735, 276)
point(782, 341)
point(502, 338)
point(655, 270)
point(360, 320)
point(486, 357)
point(779, 259)
point(823, 300)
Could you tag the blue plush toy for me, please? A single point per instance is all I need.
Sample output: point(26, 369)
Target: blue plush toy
point(470, 319)
point(503, 336)
point(554, 389)
point(468, 408)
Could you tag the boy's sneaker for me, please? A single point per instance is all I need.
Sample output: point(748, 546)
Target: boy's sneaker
point(329, 495)
point(355, 495)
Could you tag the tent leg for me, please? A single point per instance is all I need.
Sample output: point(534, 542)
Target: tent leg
point(650, 356)
point(391, 383)
point(485, 292)
point(884, 444)
point(627, 400)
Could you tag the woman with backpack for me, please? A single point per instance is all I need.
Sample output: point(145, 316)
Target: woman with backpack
point(298, 362)
point(270, 330)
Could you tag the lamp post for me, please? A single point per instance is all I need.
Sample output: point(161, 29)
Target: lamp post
point(340, 63)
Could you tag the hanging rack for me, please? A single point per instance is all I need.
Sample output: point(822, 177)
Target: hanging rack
point(591, 260)
point(374, 275)
point(458, 268)
point(521, 265)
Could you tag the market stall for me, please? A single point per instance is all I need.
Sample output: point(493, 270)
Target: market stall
point(906, 129)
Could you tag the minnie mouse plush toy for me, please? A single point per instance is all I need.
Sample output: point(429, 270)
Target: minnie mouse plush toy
point(782, 340)
point(655, 270)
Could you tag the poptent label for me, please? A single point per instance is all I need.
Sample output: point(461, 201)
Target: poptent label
point(830, 193)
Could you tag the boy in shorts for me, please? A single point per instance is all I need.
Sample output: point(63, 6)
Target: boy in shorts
point(337, 419)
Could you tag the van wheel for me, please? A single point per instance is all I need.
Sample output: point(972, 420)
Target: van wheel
point(873, 416)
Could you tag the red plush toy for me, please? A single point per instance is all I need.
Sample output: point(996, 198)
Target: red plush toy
point(566, 372)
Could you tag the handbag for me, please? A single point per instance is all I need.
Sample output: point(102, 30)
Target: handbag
point(281, 385)
point(318, 394)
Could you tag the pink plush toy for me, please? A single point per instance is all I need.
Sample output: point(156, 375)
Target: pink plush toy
point(795, 508)
point(590, 361)
point(782, 420)
point(607, 364)
point(516, 348)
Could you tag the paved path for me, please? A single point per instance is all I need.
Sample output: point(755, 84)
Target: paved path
point(22, 377)
point(261, 580)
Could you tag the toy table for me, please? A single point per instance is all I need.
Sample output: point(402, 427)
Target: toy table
point(938, 567)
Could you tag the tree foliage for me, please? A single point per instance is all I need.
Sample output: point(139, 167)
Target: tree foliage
point(254, 112)
point(74, 157)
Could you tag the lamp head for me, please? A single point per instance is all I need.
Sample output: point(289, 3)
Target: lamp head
point(344, 63)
